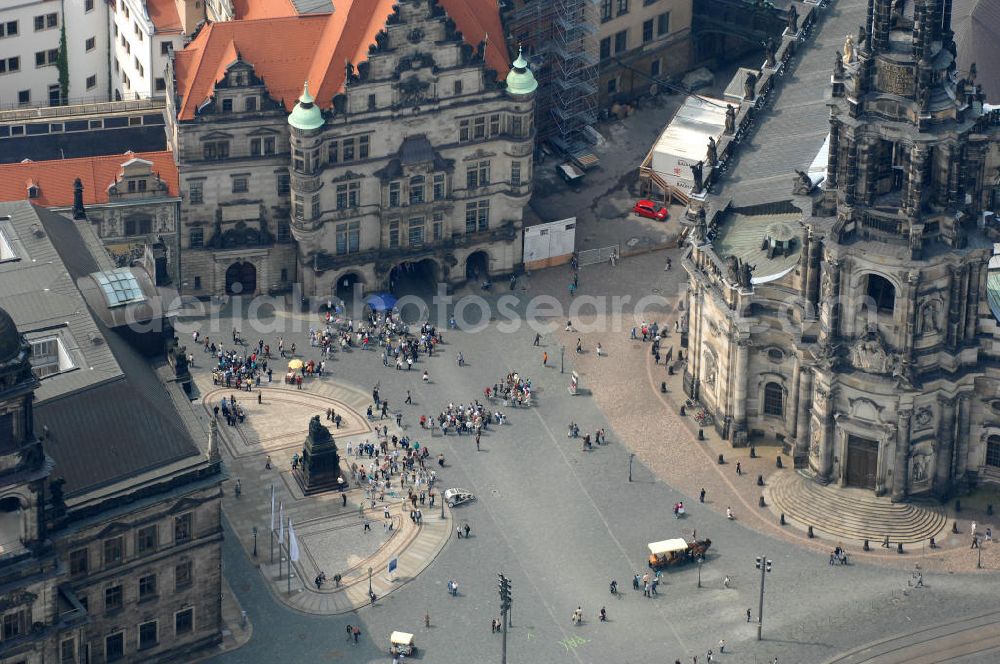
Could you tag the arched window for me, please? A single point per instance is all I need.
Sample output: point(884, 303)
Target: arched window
point(882, 293)
point(993, 451)
point(774, 400)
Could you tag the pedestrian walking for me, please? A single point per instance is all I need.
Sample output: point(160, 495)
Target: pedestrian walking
point(600, 351)
point(493, 625)
point(350, 632)
point(357, 630)
point(701, 496)
point(409, 399)
point(748, 615)
point(739, 469)
point(722, 646)
point(538, 339)
point(267, 462)
point(545, 358)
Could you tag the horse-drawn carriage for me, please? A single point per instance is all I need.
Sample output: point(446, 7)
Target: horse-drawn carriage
point(677, 551)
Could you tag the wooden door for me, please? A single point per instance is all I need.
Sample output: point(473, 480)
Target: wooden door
point(862, 462)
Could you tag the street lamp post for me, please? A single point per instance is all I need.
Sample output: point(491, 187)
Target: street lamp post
point(370, 581)
point(764, 565)
point(630, 458)
point(700, 561)
point(562, 357)
point(255, 541)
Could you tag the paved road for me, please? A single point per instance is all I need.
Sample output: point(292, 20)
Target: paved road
point(561, 523)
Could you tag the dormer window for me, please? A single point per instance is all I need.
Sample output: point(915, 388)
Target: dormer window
point(227, 105)
point(416, 189)
point(33, 191)
point(251, 104)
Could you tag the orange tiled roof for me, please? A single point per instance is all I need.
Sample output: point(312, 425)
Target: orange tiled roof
point(288, 50)
point(163, 14)
point(55, 178)
point(251, 10)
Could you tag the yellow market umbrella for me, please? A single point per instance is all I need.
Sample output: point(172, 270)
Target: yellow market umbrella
point(295, 365)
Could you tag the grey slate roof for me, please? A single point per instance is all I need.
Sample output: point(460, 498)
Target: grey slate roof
point(313, 6)
point(148, 138)
point(111, 418)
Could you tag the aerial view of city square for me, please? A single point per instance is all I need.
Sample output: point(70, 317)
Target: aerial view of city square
point(643, 331)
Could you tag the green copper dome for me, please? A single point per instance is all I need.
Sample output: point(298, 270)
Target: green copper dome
point(520, 80)
point(306, 114)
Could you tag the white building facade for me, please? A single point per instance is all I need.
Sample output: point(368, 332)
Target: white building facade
point(143, 33)
point(30, 32)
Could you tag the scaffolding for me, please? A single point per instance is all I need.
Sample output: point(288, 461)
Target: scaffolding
point(560, 38)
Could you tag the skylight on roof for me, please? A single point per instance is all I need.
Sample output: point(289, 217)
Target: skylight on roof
point(119, 286)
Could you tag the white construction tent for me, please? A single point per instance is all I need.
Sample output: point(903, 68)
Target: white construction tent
point(684, 142)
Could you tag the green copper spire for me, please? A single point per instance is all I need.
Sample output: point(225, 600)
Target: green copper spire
point(520, 80)
point(306, 114)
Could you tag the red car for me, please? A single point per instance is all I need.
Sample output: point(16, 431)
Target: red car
point(650, 210)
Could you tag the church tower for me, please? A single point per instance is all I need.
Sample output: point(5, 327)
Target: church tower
point(23, 465)
point(904, 262)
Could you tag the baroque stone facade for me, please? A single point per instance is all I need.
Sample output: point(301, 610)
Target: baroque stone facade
point(412, 151)
point(424, 158)
point(864, 343)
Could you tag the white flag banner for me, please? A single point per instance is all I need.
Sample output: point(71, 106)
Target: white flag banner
point(272, 508)
point(281, 523)
point(293, 543)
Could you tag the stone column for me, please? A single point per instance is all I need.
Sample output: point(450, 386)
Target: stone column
point(915, 189)
point(829, 323)
point(964, 425)
point(954, 297)
point(802, 417)
point(851, 185)
point(945, 446)
point(900, 467)
point(833, 158)
point(972, 298)
point(739, 396)
point(824, 401)
point(693, 365)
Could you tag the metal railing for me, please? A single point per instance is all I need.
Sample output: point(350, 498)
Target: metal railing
point(13, 112)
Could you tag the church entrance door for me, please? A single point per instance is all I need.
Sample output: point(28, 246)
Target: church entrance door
point(862, 462)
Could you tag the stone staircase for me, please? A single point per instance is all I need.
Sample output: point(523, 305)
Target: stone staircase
point(850, 514)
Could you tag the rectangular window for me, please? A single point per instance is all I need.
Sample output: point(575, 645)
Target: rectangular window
point(606, 10)
point(393, 234)
point(463, 131)
point(67, 652)
point(654, 68)
point(146, 538)
point(241, 185)
point(457, 86)
point(621, 41)
point(647, 31)
point(8, 29)
point(284, 233)
point(216, 150)
point(416, 232)
point(114, 647)
point(372, 102)
point(183, 527)
point(477, 216)
point(184, 622)
point(495, 124)
point(605, 48)
point(316, 207)
point(147, 587)
point(437, 226)
point(91, 82)
point(479, 127)
point(196, 193)
point(164, 48)
point(147, 634)
point(284, 184)
point(15, 624)
point(439, 187)
point(79, 561)
point(254, 147)
point(182, 575)
point(348, 195)
point(227, 105)
point(90, 44)
point(196, 240)
point(300, 207)
point(515, 173)
point(416, 190)
point(394, 194)
point(363, 143)
point(646, 3)
point(517, 126)
point(663, 24)
point(114, 550)
point(269, 145)
point(14, 64)
point(348, 154)
point(333, 152)
point(113, 598)
point(622, 7)
point(250, 104)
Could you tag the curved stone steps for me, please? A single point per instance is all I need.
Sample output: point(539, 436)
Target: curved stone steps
point(854, 514)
